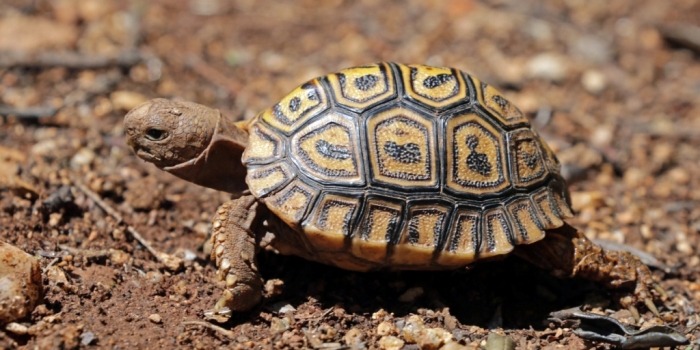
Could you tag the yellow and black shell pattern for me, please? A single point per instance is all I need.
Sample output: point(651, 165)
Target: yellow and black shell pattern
point(406, 167)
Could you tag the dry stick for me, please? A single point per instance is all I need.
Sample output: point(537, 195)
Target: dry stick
point(213, 327)
point(107, 208)
point(683, 34)
point(69, 59)
point(27, 112)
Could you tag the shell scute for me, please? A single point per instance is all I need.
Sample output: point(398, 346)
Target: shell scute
point(434, 87)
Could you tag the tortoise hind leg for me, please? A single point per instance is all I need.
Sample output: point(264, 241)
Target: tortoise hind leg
point(235, 247)
point(568, 253)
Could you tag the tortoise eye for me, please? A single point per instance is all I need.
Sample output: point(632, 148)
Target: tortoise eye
point(155, 134)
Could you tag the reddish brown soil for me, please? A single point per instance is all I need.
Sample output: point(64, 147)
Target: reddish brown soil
point(625, 121)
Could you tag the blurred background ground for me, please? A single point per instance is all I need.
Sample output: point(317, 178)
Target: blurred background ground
point(613, 86)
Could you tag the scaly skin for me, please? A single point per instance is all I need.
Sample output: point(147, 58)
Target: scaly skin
point(236, 244)
point(568, 253)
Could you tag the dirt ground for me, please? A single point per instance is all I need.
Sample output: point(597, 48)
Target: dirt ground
point(613, 86)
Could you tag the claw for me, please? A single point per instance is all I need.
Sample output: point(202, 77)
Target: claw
point(634, 312)
point(660, 290)
point(650, 304)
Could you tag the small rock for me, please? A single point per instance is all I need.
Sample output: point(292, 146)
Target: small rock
point(118, 257)
point(279, 325)
point(594, 81)
point(155, 318)
point(589, 199)
point(547, 66)
point(411, 295)
point(20, 283)
point(281, 307)
point(154, 277)
point(189, 255)
point(17, 328)
point(86, 338)
point(84, 156)
point(386, 328)
point(379, 314)
point(411, 331)
point(679, 175)
point(433, 338)
point(592, 49)
point(274, 286)
point(497, 341)
point(171, 262)
point(326, 332)
point(353, 336)
point(390, 342)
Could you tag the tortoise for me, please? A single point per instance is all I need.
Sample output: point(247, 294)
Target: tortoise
point(382, 166)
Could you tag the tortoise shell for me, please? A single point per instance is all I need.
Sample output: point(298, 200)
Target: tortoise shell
point(406, 166)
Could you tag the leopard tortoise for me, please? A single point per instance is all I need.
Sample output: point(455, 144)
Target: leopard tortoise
point(404, 167)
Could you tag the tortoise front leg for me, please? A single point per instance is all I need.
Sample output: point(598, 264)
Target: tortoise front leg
point(235, 247)
point(568, 253)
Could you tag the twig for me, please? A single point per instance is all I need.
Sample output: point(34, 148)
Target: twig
point(69, 59)
point(683, 34)
point(27, 112)
point(137, 236)
point(225, 332)
point(172, 262)
point(51, 263)
point(102, 204)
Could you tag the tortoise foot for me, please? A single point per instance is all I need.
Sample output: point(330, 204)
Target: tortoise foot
point(568, 253)
point(234, 250)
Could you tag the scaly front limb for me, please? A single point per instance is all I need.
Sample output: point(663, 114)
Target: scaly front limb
point(235, 247)
point(568, 253)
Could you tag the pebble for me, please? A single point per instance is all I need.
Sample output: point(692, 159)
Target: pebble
point(84, 156)
point(592, 49)
point(86, 338)
point(588, 199)
point(17, 328)
point(353, 336)
point(281, 307)
point(390, 342)
point(427, 338)
point(20, 283)
point(386, 328)
point(279, 325)
point(679, 175)
point(594, 81)
point(547, 66)
point(497, 341)
point(155, 318)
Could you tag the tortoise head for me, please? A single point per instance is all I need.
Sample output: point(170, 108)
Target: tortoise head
point(190, 141)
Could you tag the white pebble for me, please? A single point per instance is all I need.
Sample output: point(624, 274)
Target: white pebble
point(547, 66)
point(594, 81)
